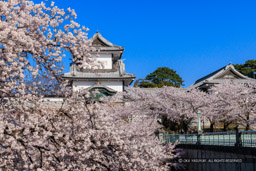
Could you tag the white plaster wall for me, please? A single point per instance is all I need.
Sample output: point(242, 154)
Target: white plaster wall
point(115, 85)
point(106, 59)
point(78, 85)
point(52, 99)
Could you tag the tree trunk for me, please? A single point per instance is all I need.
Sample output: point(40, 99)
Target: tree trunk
point(225, 126)
point(185, 127)
point(247, 125)
point(247, 128)
point(211, 126)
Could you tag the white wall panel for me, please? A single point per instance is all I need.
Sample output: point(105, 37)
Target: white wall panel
point(115, 85)
point(106, 59)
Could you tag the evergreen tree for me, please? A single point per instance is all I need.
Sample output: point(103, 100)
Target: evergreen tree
point(248, 69)
point(162, 76)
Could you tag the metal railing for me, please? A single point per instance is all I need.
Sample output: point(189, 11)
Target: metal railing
point(181, 138)
point(218, 138)
point(248, 138)
point(233, 138)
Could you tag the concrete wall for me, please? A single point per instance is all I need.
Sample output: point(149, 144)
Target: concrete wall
point(218, 158)
point(115, 85)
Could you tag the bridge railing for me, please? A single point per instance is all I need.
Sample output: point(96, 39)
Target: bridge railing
point(181, 138)
point(218, 138)
point(248, 138)
point(232, 138)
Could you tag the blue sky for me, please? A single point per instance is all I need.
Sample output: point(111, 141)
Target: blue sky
point(194, 38)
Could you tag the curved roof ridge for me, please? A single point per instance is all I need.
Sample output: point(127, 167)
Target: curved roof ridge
point(231, 67)
point(101, 38)
point(220, 72)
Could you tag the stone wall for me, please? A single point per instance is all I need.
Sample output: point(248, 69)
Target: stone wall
point(218, 158)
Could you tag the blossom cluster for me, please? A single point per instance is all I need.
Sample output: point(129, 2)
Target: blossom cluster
point(74, 134)
point(33, 40)
point(229, 103)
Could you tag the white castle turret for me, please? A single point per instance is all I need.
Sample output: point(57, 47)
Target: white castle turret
point(109, 80)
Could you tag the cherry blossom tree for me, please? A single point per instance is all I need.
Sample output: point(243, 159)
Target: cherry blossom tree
point(34, 38)
point(228, 103)
point(81, 136)
point(74, 134)
point(235, 103)
point(178, 105)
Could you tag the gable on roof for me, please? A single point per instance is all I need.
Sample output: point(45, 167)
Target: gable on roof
point(98, 40)
point(220, 75)
point(99, 43)
point(229, 74)
point(104, 46)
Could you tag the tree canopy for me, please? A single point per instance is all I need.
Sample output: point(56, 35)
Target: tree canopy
point(247, 68)
point(38, 134)
point(162, 76)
